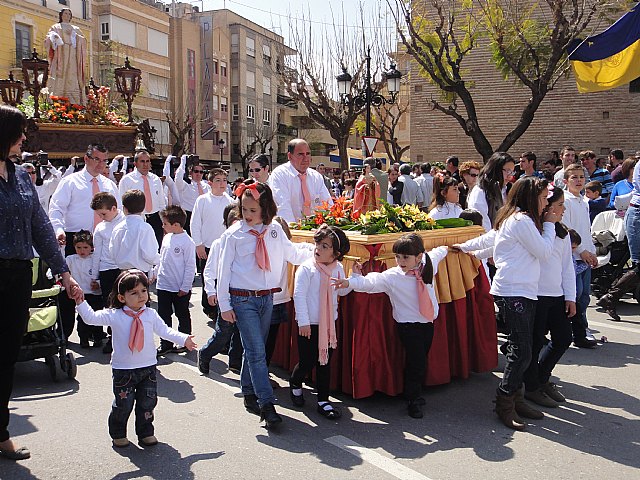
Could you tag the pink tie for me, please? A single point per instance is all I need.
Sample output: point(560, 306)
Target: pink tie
point(306, 196)
point(94, 190)
point(262, 256)
point(148, 204)
point(136, 334)
point(326, 326)
point(426, 305)
point(200, 189)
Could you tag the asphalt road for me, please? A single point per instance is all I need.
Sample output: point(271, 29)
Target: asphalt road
point(205, 433)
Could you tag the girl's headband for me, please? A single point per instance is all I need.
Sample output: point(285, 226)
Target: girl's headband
point(128, 272)
point(334, 234)
point(550, 188)
point(253, 188)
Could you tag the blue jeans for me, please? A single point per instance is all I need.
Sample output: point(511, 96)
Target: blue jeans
point(519, 315)
point(139, 386)
point(223, 333)
point(583, 291)
point(253, 317)
point(632, 225)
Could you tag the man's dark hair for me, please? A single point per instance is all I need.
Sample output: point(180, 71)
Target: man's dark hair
point(425, 167)
point(617, 154)
point(453, 160)
point(405, 169)
point(96, 146)
point(370, 161)
point(133, 201)
point(529, 156)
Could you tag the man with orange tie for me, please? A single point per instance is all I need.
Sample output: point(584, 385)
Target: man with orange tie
point(297, 189)
point(144, 180)
point(70, 211)
point(190, 188)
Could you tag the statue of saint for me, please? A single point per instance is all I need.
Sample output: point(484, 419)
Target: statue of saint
point(66, 49)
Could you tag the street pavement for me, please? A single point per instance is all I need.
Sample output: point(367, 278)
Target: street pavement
point(205, 433)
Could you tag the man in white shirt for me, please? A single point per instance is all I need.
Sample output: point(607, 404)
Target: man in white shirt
point(294, 198)
point(49, 179)
point(568, 157)
point(144, 180)
point(191, 188)
point(425, 181)
point(70, 206)
point(411, 192)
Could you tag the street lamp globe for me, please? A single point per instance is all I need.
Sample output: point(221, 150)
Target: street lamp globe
point(393, 77)
point(344, 82)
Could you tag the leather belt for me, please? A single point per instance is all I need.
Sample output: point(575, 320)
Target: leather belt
point(253, 293)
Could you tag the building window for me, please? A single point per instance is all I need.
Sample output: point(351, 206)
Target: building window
point(223, 69)
point(44, 3)
point(63, 2)
point(23, 42)
point(251, 47)
point(157, 42)
point(191, 64)
point(251, 113)
point(266, 85)
point(214, 102)
point(215, 67)
point(266, 54)
point(235, 111)
point(235, 42)
point(235, 77)
point(266, 117)
point(104, 31)
point(251, 79)
point(85, 10)
point(158, 87)
point(223, 104)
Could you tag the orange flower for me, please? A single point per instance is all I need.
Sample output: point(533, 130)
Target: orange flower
point(319, 220)
point(355, 215)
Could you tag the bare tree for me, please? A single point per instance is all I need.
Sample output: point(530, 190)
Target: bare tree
point(387, 127)
point(527, 41)
point(181, 128)
point(258, 141)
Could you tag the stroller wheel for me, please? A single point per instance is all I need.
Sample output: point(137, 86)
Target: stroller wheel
point(71, 367)
point(51, 363)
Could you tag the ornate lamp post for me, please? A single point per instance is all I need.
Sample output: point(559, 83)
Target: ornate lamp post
point(367, 96)
point(128, 84)
point(11, 90)
point(32, 70)
point(270, 157)
point(221, 145)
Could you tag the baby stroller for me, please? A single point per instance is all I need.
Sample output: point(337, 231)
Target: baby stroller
point(612, 250)
point(45, 336)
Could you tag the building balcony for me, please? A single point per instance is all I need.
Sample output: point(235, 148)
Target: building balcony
point(287, 130)
point(287, 101)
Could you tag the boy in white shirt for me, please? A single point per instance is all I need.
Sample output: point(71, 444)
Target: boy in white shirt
point(104, 269)
point(175, 274)
point(576, 217)
point(133, 243)
point(207, 223)
point(80, 265)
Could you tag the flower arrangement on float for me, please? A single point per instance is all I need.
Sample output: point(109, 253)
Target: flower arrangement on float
point(58, 109)
point(387, 219)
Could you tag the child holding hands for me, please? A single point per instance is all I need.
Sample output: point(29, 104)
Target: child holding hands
point(414, 312)
point(134, 355)
point(316, 305)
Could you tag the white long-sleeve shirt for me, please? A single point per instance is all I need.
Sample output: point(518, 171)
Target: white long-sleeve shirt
point(425, 182)
point(635, 198)
point(576, 217)
point(171, 193)
point(135, 181)
point(284, 295)
point(238, 267)
point(448, 210)
point(120, 323)
point(48, 187)
point(207, 223)
point(306, 293)
point(133, 244)
point(81, 270)
point(69, 209)
point(518, 250)
point(287, 191)
point(102, 257)
point(210, 271)
point(401, 289)
point(177, 265)
point(188, 192)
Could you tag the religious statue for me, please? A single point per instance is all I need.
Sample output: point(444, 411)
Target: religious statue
point(66, 49)
point(367, 192)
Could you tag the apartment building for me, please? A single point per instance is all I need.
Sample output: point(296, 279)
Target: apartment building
point(25, 23)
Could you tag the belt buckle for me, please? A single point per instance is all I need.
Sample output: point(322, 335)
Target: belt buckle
point(254, 293)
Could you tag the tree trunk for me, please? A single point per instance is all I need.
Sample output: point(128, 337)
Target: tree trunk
point(344, 153)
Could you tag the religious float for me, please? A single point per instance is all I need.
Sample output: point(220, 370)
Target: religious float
point(370, 356)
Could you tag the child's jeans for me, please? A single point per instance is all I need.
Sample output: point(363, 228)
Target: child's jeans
point(224, 334)
point(583, 290)
point(139, 386)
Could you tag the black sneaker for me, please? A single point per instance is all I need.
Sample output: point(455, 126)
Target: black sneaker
point(269, 415)
point(585, 343)
point(108, 347)
point(251, 404)
point(297, 400)
point(203, 366)
point(164, 348)
point(179, 349)
point(235, 369)
point(415, 409)
point(84, 343)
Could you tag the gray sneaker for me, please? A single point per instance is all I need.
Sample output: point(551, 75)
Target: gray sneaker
point(539, 397)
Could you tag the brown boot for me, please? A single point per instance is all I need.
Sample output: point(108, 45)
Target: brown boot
point(505, 408)
point(524, 409)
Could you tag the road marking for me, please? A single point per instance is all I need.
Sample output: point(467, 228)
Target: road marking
point(182, 361)
point(426, 440)
point(614, 327)
point(367, 455)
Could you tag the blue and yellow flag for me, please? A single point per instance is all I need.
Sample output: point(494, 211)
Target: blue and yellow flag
point(611, 58)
